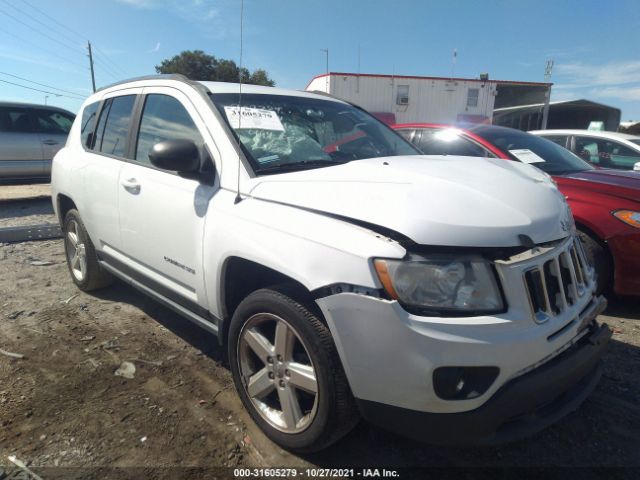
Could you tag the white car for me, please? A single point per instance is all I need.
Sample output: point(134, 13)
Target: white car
point(445, 298)
point(605, 149)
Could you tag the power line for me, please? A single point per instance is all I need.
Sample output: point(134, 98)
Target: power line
point(108, 66)
point(44, 49)
point(109, 62)
point(98, 61)
point(104, 56)
point(41, 84)
point(73, 41)
point(39, 90)
point(83, 37)
point(41, 33)
point(111, 75)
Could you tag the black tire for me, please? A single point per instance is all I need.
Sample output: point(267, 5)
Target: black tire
point(336, 412)
point(601, 260)
point(95, 276)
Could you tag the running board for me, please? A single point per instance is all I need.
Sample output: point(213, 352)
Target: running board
point(179, 309)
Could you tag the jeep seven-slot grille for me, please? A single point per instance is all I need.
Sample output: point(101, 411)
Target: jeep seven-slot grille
point(558, 283)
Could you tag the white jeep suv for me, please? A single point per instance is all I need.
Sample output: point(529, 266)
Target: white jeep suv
point(347, 276)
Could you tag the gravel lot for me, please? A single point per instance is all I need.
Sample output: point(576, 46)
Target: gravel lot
point(62, 405)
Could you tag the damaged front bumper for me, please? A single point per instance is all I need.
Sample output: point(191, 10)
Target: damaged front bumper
point(522, 407)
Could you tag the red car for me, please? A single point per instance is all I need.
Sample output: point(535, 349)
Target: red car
point(605, 203)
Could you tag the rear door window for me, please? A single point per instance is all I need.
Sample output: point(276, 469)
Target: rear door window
point(111, 135)
point(52, 121)
point(621, 156)
point(606, 153)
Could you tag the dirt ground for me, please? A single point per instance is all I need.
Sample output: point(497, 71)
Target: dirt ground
point(62, 405)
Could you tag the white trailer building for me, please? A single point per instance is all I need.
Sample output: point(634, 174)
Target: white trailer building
point(410, 99)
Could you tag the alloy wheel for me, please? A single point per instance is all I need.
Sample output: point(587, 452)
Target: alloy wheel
point(76, 251)
point(277, 373)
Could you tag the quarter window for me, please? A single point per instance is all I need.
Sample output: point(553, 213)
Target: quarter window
point(111, 137)
point(164, 118)
point(87, 123)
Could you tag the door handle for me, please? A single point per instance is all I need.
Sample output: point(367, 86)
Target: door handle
point(50, 142)
point(131, 185)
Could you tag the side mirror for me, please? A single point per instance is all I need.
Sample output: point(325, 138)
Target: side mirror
point(182, 156)
point(636, 167)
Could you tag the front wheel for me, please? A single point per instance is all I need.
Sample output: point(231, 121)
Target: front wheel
point(287, 371)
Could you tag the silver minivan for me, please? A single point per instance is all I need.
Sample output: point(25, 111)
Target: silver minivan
point(30, 135)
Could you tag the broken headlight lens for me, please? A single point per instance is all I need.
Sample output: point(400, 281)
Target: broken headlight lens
point(442, 284)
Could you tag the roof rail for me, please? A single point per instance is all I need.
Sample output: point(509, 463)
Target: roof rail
point(163, 76)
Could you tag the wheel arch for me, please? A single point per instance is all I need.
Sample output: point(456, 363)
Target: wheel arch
point(241, 276)
point(594, 235)
point(64, 203)
point(603, 243)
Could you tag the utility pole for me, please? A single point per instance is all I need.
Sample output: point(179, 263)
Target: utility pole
point(453, 62)
point(93, 77)
point(547, 94)
point(358, 84)
point(326, 51)
point(45, 99)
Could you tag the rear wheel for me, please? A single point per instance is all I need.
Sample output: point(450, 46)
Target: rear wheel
point(599, 257)
point(286, 369)
point(82, 261)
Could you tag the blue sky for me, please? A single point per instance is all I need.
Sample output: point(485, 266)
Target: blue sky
point(594, 44)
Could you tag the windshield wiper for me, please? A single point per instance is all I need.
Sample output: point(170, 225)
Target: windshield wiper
point(301, 165)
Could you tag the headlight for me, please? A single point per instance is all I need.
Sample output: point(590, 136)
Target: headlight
point(629, 217)
point(441, 284)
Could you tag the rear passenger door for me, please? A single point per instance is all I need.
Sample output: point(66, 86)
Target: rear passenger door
point(20, 148)
point(621, 156)
point(606, 153)
point(162, 214)
point(105, 145)
point(52, 127)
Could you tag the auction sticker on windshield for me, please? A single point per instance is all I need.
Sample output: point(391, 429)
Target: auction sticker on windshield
point(526, 156)
point(256, 118)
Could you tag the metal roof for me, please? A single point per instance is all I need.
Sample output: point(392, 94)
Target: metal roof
point(454, 79)
point(581, 102)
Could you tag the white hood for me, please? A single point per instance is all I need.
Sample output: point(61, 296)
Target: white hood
point(444, 201)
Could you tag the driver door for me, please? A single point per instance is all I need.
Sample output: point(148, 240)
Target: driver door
point(162, 214)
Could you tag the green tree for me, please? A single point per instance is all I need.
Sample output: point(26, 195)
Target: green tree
point(198, 65)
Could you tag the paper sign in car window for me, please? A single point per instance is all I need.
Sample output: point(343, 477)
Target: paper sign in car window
point(526, 156)
point(256, 118)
